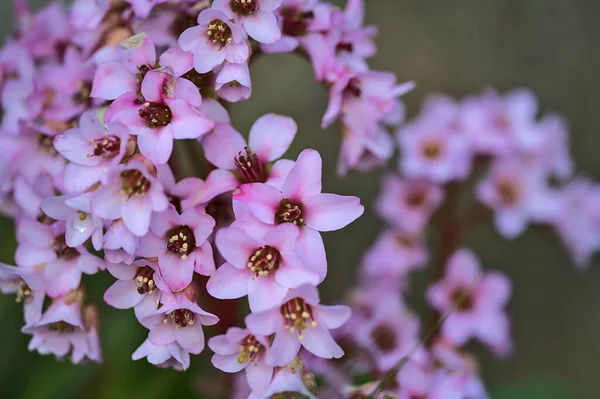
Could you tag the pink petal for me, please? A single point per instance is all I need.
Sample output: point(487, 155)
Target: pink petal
point(294, 276)
point(264, 323)
point(122, 271)
point(79, 178)
point(229, 282)
point(221, 345)
point(61, 277)
point(178, 60)
point(235, 246)
point(333, 316)
point(112, 80)
point(236, 53)
point(162, 334)
point(191, 338)
point(262, 27)
point(217, 182)
point(259, 375)
point(319, 342)
point(284, 349)
point(278, 173)
point(122, 295)
point(329, 212)
point(304, 180)
point(187, 122)
point(156, 144)
point(136, 215)
point(223, 145)
point(136, 51)
point(187, 91)
point(204, 261)
point(264, 292)
point(228, 363)
point(176, 272)
point(261, 199)
point(271, 136)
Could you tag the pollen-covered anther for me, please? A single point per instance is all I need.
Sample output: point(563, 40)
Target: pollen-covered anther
point(181, 241)
point(155, 114)
point(250, 167)
point(106, 147)
point(298, 316)
point(244, 7)
point(144, 280)
point(264, 261)
point(219, 33)
point(180, 317)
point(249, 349)
point(133, 182)
point(290, 212)
point(24, 293)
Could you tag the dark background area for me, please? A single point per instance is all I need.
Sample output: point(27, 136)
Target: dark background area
point(457, 47)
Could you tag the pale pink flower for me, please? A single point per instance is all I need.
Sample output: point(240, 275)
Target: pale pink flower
point(233, 82)
point(169, 355)
point(28, 286)
point(257, 17)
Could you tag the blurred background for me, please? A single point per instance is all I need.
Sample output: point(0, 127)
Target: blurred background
point(456, 47)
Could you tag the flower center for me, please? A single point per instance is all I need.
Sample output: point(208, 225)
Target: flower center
point(133, 182)
point(144, 280)
point(59, 246)
point(244, 7)
point(46, 144)
point(181, 241)
point(24, 293)
point(405, 240)
point(298, 316)
point(82, 96)
point(62, 327)
point(249, 349)
point(384, 337)
point(250, 167)
point(501, 122)
point(432, 149)
point(155, 114)
point(415, 198)
point(264, 260)
point(344, 46)
point(289, 212)
point(181, 317)
point(219, 33)
point(462, 299)
point(353, 88)
point(508, 192)
point(295, 22)
point(107, 147)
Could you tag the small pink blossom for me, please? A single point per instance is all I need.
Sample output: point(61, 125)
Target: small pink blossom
point(255, 16)
point(28, 286)
point(481, 314)
point(300, 321)
point(233, 82)
point(170, 355)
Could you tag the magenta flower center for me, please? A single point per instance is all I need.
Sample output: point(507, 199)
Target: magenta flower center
point(289, 212)
point(249, 349)
point(106, 147)
point(415, 198)
point(24, 293)
point(46, 144)
point(133, 182)
point(250, 167)
point(219, 33)
point(181, 318)
point(345, 46)
point(298, 316)
point(295, 22)
point(264, 260)
point(156, 114)
point(59, 246)
point(431, 149)
point(181, 241)
point(244, 7)
point(508, 192)
point(144, 280)
point(353, 88)
point(384, 337)
point(462, 299)
point(62, 327)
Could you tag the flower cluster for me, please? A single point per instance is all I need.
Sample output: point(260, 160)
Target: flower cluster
point(102, 102)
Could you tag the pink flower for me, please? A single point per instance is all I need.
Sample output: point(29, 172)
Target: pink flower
point(553, 154)
point(131, 193)
point(139, 286)
point(430, 151)
point(119, 244)
point(408, 204)
point(136, 56)
point(169, 355)
point(364, 152)
point(481, 314)
point(91, 150)
point(287, 379)
point(214, 41)
point(180, 321)
point(62, 328)
point(270, 137)
point(499, 125)
point(239, 349)
point(163, 113)
point(261, 263)
point(179, 242)
point(28, 285)
point(518, 193)
point(300, 202)
point(142, 8)
point(577, 220)
point(394, 255)
point(255, 16)
point(299, 321)
point(233, 82)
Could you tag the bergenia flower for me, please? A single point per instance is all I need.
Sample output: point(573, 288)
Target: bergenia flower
point(233, 82)
point(289, 379)
point(301, 202)
point(179, 242)
point(239, 349)
point(214, 40)
point(300, 321)
point(180, 320)
point(28, 286)
point(240, 162)
point(168, 355)
point(255, 16)
point(481, 314)
point(131, 193)
point(261, 264)
point(136, 56)
point(92, 149)
point(165, 111)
